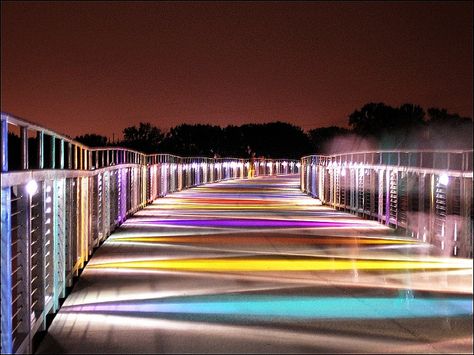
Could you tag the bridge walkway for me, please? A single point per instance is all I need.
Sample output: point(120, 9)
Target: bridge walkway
point(257, 266)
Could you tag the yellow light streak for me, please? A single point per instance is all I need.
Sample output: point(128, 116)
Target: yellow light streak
point(259, 240)
point(223, 264)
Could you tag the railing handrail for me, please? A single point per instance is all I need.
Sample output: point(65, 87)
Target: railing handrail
point(20, 122)
point(456, 151)
point(429, 199)
point(439, 160)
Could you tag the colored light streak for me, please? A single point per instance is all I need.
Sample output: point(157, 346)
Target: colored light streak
point(256, 195)
point(219, 207)
point(274, 240)
point(287, 264)
point(294, 307)
point(251, 223)
point(225, 201)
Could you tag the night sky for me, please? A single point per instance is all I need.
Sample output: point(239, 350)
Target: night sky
point(92, 67)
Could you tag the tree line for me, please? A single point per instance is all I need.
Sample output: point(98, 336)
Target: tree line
point(374, 126)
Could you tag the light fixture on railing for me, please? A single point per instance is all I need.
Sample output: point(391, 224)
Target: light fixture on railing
point(444, 179)
point(32, 187)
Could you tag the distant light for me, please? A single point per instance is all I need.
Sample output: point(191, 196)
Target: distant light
point(343, 172)
point(32, 187)
point(444, 179)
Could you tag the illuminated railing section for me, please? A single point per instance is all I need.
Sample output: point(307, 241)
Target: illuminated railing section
point(428, 194)
point(61, 199)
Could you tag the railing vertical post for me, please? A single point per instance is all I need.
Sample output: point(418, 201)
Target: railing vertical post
point(81, 158)
point(87, 164)
point(24, 147)
point(61, 154)
point(40, 138)
point(6, 251)
point(75, 159)
point(53, 152)
point(69, 155)
point(4, 143)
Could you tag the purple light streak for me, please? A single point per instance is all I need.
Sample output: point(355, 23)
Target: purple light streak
point(253, 223)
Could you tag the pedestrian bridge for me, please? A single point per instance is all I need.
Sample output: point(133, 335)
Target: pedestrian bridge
point(360, 252)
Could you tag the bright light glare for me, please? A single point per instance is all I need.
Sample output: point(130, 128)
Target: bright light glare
point(32, 187)
point(443, 179)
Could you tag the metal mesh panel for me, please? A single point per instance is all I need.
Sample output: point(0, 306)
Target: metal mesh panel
point(360, 189)
point(48, 242)
point(38, 248)
point(393, 196)
point(18, 267)
point(402, 202)
point(440, 208)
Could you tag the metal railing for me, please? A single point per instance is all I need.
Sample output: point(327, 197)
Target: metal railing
point(65, 199)
point(427, 194)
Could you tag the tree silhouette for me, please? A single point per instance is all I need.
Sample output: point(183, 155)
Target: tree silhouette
point(276, 140)
point(145, 138)
point(193, 140)
point(407, 127)
point(373, 126)
point(92, 140)
point(233, 142)
point(373, 119)
point(448, 130)
point(322, 137)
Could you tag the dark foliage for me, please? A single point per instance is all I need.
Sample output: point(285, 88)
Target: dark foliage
point(406, 127)
point(322, 138)
point(92, 140)
point(271, 140)
point(448, 131)
point(193, 140)
point(375, 126)
point(145, 138)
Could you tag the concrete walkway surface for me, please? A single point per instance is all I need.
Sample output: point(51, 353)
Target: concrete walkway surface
point(255, 266)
